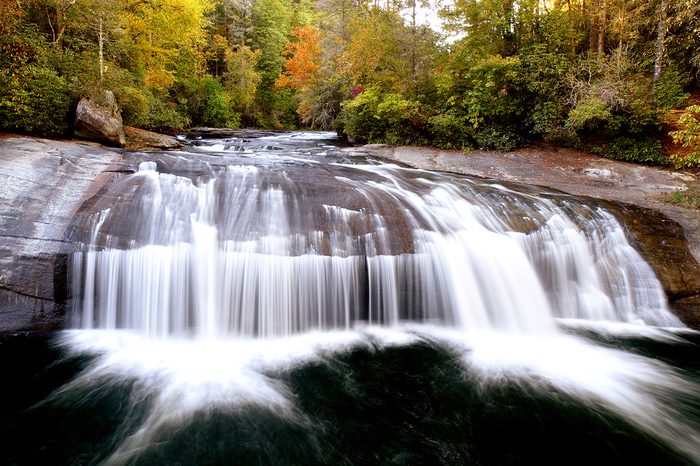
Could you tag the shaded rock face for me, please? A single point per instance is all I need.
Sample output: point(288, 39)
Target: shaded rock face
point(662, 242)
point(42, 184)
point(100, 122)
point(140, 139)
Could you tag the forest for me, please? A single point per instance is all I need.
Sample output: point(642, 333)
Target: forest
point(616, 77)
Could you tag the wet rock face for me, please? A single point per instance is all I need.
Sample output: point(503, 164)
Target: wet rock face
point(42, 184)
point(47, 186)
point(100, 121)
point(662, 242)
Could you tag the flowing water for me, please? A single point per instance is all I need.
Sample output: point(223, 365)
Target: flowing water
point(281, 300)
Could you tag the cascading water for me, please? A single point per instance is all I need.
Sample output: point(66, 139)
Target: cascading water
point(246, 286)
point(255, 252)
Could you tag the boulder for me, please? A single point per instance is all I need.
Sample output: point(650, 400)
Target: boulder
point(140, 139)
point(100, 121)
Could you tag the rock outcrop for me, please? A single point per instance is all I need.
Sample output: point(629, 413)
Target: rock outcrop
point(42, 184)
point(140, 139)
point(100, 121)
point(663, 243)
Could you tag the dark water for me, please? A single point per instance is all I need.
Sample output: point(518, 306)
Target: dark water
point(410, 404)
point(277, 300)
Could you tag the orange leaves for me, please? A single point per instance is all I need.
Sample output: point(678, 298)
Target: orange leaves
point(302, 57)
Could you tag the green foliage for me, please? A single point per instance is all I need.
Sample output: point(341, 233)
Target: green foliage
point(390, 118)
point(206, 102)
point(144, 110)
point(590, 113)
point(545, 79)
point(491, 92)
point(646, 151)
point(688, 137)
point(38, 103)
point(359, 117)
point(499, 138)
point(688, 199)
point(669, 92)
point(402, 120)
point(490, 98)
point(451, 130)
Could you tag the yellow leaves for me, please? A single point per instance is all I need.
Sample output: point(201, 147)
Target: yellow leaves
point(163, 30)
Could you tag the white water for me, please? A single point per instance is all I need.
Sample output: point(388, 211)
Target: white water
point(268, 274)
point(229, 257)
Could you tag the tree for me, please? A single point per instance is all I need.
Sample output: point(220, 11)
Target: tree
point(302, 57)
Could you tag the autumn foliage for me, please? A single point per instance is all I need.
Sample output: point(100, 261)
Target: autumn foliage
point(302, 57)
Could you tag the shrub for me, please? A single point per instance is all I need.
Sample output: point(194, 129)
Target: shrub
point(610, 98)
point(158, 116)
point(37, 103)
point(402, 120)
point(493, 93)
point(669, 90)
point(205, 101)
point(134, 104)
point(647, 151)
point(689, 137)
point(499, 138)
point(451, 130)
point(545, 78)
point(359, 118)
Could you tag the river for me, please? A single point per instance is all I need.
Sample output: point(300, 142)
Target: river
point(276, 299)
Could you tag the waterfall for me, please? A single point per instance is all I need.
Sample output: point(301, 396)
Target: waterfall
point(277, 300)
point(255, 250)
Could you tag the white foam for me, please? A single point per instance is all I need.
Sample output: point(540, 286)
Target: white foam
point(186, 376)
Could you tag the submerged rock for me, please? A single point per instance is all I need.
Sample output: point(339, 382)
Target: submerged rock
point(100, 121)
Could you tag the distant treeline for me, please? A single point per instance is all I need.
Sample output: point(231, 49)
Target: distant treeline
point(600, 75)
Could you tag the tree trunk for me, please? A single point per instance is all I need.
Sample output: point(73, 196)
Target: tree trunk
point(413, 44)
point(100, 42)
point(601, 27)
point(660, 45)
point(593, 37)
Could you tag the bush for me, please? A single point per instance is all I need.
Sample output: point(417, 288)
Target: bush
point(545, 78)
point(647, 151)
point(402, 120)
point(669, 92)
point(359, 118)
point(689, 137)
point(450, 130)
point(493, 93)
point(610, 98)
point(134, 104)
point(498, 138)
point(158, 115)
point(391, 118)
point(37, 103)
point(205, 101)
